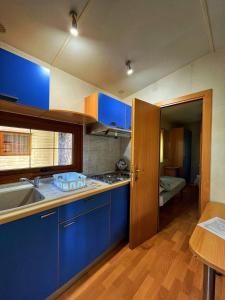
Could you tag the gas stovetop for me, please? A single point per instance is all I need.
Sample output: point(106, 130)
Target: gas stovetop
point(112, 177)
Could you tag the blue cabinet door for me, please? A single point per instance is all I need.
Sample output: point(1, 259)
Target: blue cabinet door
point(128, 116)
point(120, 200)
point(111, 112)
point(72, 210)
point(81, 240)
point(28, 254)
point(23, 79)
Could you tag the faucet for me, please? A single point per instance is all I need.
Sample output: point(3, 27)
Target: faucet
point(35, 182)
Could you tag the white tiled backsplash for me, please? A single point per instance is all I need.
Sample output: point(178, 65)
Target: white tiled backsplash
point(101, 153)
point(125, 149)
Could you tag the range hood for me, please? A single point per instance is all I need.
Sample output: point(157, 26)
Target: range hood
point(108, 131)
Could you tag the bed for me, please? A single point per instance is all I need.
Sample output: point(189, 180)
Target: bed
point(169, 187)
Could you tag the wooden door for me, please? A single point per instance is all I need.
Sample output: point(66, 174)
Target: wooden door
point(144, 171)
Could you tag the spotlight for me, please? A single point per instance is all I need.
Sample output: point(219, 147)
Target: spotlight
point(129, 68)
point(74, 29)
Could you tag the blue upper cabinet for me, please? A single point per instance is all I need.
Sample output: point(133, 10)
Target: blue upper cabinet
point(109, 111)
point(23, 79)
point(128, 117)
point(28, 253)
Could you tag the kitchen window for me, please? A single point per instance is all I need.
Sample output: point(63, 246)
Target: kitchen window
point(28, 148)
point(38, 147)
point(14, 143)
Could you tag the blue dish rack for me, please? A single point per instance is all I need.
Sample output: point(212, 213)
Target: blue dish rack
point(69, 181)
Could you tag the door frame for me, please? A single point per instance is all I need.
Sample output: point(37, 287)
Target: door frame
point(205, 159)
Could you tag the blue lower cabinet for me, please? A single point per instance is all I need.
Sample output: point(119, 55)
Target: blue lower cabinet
point(82, 206)
point(28, 255)
point(81, 240)
point(120, 200)
point(38, 254)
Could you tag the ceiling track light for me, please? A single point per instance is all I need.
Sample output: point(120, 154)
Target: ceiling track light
point(129, 68)
point(74, 28)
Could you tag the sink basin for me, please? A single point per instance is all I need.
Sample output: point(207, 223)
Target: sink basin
point(19, 197)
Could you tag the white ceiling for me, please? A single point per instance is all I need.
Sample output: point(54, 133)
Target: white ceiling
point(157, 36)
point(183, 113)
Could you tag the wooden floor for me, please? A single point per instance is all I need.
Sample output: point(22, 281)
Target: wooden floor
point(183, 202)
point(162, 268)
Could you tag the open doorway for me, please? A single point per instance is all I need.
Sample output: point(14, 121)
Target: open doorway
point(180, 150)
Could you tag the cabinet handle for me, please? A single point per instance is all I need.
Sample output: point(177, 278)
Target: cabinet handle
point(8, 98)
point(69, 224)
point(89, 199)
point(47, 215)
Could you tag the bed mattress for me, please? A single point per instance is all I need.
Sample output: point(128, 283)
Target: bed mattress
point(177, 184)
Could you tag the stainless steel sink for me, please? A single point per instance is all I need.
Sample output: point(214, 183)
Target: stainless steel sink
point(19, 197)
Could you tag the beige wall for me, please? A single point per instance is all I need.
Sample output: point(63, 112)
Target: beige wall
point(204, 73)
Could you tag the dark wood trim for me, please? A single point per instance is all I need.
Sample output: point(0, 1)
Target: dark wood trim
point(67, 116)
point(15, 120)
point(20, 121)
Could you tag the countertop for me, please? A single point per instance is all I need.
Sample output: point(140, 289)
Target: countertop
point(53, 197)
point(209, 248)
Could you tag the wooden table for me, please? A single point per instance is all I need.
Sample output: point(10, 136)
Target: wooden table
point(210, 249)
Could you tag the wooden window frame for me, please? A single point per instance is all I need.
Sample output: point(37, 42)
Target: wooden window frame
point(21, 121)
point(14, 153)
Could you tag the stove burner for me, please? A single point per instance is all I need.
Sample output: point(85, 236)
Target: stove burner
point(112, 177)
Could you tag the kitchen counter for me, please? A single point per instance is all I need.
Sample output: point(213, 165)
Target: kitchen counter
point(54, 197)
point(59, 238)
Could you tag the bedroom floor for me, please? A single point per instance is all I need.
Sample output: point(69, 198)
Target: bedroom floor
point(162, 268)
point(182, 202)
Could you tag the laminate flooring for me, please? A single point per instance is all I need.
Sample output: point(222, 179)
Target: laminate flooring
point(162, 268)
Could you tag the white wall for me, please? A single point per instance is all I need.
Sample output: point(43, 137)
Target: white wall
point(204, 73)
point(66, 91)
